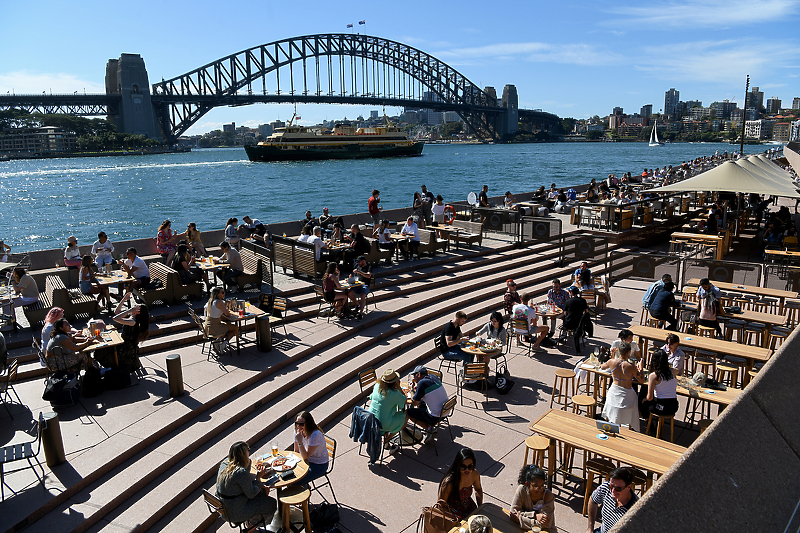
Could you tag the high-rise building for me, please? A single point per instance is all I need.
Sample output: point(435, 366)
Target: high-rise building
point(229, 128)
point(794, 131)
point(755, 99)
point(671, 99)
point(617, 111)
point(646, 110)
point(796, 103)
point(723, 109)
point(774, 105)
point(265, 130)
point(373, 113)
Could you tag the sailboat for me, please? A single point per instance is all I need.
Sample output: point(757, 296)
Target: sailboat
point(654, 136)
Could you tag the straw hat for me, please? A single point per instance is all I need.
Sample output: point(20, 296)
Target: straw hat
point(390, 376)
point(72, 238)
point(479, 523)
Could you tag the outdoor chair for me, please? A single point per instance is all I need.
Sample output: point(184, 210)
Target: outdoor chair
point(279, 305)
point(215, 506)
point(18, 452)
point(447, 361)
point(330, 444)
point(202, 332)
point(321, 300)
point(521, 325)
point(8, 385)
point(367, 379)
point(39, 349)
point(474, 372)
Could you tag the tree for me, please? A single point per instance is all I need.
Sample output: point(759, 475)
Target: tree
point(594, 135)
point(567, 124)
point(452, 128)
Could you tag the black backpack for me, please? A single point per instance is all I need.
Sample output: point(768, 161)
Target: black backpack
point(92, 383)
point(324, 518)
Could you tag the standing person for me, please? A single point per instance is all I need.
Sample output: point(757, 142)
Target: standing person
point(135, 267)
point(72, 255)
point(661, 307)
point(525, 312)
point(193, 240)
point(165, 241)
point(6, 249)
point(216, 310)
point(386, 403)
point(411, 230)
point(135, 330)
point(427, 399)
point(483, 197)
point(511, 297)
point(707, 287)
point(231, 235)
point(557, 297)
point(437, 210)
point(418, 214)
point(616, 498)
point(374, 207)
point(309, 442)
point(622, 405)
point(231, 256)
point(243, 496)
point(459, 482)
point(103, 251)
point(653, 290)
point(576, 316)
point(626, 335)
point(427, 204)
point(533, 504)
point(451, 339)
point(708, 307)
point(363, 273)
point(89, 284)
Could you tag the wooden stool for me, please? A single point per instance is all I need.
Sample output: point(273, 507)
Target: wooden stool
point(689, 354)
point(703, 424)
point(769, 304)
point(539, 446)
point(581, 401)
point(595, 467)
point(740, 363)
point(728, 372)
point(643, 317)
point(655, 323)
point(564, 382)
point(778, 334)
point(298, 496)
point(660, 425)
point(752, 374)
point(791, 308)
point(755, 331)
point(705, 331)
point(706, 365)
point(639, 480)
point(735, 326)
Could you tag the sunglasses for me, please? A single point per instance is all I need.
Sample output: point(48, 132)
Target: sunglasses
point(467, 468)
point(299, 423)
point(617, 488)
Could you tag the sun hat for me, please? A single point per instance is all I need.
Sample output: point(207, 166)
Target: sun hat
point(420, 370)
point(390, 376)
point(479, 523)
point(72, 238)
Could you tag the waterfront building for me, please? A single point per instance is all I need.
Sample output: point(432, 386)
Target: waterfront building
point(698, 112)
point(794, 131)
point(758, 129)
point(277, 124)
point(723, 109)
point(751, 113)
point(229, 128)
point(265, 130)
point(774, 105)
point(48, 139)
point(754, 99)
point(796, 102)
point(780, 132)
point(671, 99)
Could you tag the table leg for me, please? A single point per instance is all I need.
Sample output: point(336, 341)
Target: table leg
point(648, 481)
point(285, 511)
point(746, 377)
point(719, 250)
point(551, 462)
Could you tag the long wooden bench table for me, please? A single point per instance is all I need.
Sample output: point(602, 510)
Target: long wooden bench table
point(700, 237)
point(748, 289)
point(654, 456)
point(750, 353)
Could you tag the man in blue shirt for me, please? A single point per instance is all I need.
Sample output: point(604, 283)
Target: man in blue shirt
point(661, 307)
point(580, 270)
point(650, 295)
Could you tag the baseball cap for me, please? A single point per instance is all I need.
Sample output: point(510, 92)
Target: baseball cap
point(420, 370)
point(361, 258)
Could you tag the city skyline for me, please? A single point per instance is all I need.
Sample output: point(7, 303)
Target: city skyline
point(577, 60)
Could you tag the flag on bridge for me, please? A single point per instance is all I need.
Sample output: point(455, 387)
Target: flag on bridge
point(298, 118)
point(349, 25)
point(362, 22)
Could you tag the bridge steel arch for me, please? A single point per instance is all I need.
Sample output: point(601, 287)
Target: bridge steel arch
point(371, 70)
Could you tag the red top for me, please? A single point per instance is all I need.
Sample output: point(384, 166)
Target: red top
point(373, 206)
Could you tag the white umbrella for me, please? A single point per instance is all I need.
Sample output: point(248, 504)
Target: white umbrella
point(749, 165)
point(730, 177)
point(772, 168)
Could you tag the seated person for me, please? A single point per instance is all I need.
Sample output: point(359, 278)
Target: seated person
point(387, 403)
point(309, 220)
point(25, 290)
point(72, 255)
point(411, 245)
point(243, 496)
point(326, 220)
point(459, 482)
point(214, 325)
point(661, 307)
point(451, 339)
point(193, 240)
point(185, 265)
point(427, 401)
point(309, 442)
point(135, 323)
point(89, 284)
point(103, 251)
point(359, 245)
point(557, 297)
point(135, 267)
point(662, 387)
point(524, 312)
point(540, 195)
point(511, 297)
point(561, 202)
point(385, 242)
point(320, 248)
point(330, 286)
point(361, 272)
point(494, 330)
point(676, 356)
point(231, 256)
point(64, 351)
point(580, 270)
point(305, 234)
point(616, 498)
point(533, 504)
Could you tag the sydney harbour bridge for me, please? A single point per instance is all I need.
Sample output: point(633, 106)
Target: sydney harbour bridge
point(315, 69)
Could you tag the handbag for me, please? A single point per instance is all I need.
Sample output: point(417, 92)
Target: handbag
point(54, 384)
point(437, 519)
point(504, 383)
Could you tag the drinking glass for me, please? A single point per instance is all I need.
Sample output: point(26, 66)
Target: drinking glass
point(274, 449)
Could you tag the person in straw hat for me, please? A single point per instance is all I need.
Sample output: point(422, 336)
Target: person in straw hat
point(386, 403)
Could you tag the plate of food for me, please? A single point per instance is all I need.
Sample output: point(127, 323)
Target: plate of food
point(279, 464)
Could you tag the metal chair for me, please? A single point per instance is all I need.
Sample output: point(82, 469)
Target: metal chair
point(474, 372)
point(321, 299)
point(330, 444)
point(215, 506)
point(202, 332)
point(372, 292)
point(447, 362)
point(37, 346)
point(8, 385)
point(18, 452)
point(517, 325)
point(279, 305)
point(367, 379)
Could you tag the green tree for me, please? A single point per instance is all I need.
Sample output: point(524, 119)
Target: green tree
point(594, 135)
point(452, 128)
point(567, 124)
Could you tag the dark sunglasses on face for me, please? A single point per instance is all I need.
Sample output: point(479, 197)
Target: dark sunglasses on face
point(617, 488)
point(467, 468)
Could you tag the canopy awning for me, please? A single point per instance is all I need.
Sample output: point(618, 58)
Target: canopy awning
point(730, 177)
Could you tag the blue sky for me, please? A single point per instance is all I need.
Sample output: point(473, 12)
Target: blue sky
point(572, 58)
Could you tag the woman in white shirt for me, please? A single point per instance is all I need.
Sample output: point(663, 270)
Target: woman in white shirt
point(438, 210)
point(215, 312)
point(662, 386)
point(384, 241)
point(72, 255)
point(309, 442)
point(626, 335)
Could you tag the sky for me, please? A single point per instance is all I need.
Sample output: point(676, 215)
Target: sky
point(572, 58)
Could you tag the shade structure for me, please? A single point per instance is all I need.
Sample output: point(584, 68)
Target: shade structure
point(750, 165)
point(765, 163)
point(730, 177)
point(792, 153)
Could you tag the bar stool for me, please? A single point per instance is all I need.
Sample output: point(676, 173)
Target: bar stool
point(740, 363)
point(639, 480)
point(538, 445)
point(581, 401)
point(769, 304)
point(705, 331)
point(688, 366)
point(752, 374)
point(778, 334)
point(755, 331)
point(703, 362)
point(791, 308)
point(643, 317)
point(704, 424)
point(595, 467)
point(564, 382)
point(735, 325)
point(660, 425)
point(727, 372)
point(655, 323)
point(298, 496)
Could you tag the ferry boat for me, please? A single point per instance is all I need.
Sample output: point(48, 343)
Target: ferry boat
point(300, 143)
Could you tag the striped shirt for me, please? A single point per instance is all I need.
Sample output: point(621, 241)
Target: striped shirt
point(611, 513)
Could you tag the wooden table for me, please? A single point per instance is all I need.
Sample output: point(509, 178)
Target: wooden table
point(782, 253)
point(448, 230)
point(748, 289)
point(300, 470)
point(700, 237)
point(654, 456)
point(111, 339)
point(472, 348)
point(501, 521)
point(750, 353)
point(723, 398)
point(251, 312)
point(212, 267)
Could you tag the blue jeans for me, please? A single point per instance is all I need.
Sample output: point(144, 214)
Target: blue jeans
point(314, 471)
point(455, 352)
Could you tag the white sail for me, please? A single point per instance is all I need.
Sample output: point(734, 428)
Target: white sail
point(654, 136)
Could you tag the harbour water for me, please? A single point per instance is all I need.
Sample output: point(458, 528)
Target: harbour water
point(45, 201)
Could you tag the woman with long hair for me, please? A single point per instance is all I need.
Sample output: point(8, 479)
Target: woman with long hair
point(386, 403)
point(231, 235)
point(385, 242)
point(88, 283)
point(309, 442)
point(193, 240)
point(185, 265)
point(493, 330)
point(135, 330)
point(662, 393)
point(621, 400)
point(330, 284)
point(459, 482)
point(419, 213)
point(216, 310)
point(165, 241)
point(244, 497)
point(533, 504)
point(64, 351)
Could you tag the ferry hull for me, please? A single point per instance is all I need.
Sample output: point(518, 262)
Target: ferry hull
point(348, 151)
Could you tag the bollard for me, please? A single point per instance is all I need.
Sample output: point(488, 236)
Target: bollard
point(51, 439)
point(263, 334)
point(175, 375)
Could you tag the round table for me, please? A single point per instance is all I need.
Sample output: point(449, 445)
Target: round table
point(300, 470)
point(475, 349)
point(557, 311)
